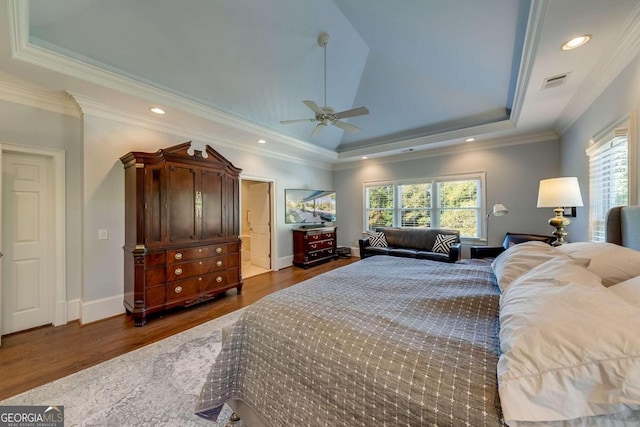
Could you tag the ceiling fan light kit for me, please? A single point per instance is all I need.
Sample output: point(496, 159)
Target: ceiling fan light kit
point(327, 115)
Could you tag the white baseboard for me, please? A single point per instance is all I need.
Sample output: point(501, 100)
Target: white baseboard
point(99, 309)
point(73, 310)
point(284, 262)
point(60, 313)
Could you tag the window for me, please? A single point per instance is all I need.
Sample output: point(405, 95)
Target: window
point(414, 203)
point(452, 202)
point(611, 174)
point(379, 207)
point(459, 204)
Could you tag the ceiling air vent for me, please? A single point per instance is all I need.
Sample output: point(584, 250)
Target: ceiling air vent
point(555, 81)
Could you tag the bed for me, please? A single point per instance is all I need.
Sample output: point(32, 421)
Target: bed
point(541, 336)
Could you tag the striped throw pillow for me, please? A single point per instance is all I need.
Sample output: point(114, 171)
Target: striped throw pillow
point(443, 243)
point(377, 239)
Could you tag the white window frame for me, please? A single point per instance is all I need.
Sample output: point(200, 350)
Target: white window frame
point(600, 143)
point(435, 209)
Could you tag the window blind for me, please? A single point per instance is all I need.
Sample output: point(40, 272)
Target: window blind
point(608, 179)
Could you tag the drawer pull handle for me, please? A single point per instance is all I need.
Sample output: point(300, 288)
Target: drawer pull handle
point(200, 263)
point(178, 271)
point(178, 289)
point(199, 250)
point(219, 263)
point(218, 250)
point(199, 279)
point(218, 279)
point(314, 246)
point(178, 255)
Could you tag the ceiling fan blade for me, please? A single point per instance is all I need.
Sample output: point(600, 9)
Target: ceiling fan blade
point(317, 130)
point(286, 122)
point(346, 126)
point(314, 107)
point(360, 111)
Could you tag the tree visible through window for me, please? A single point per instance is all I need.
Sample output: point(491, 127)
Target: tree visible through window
point(459, 206)
point(413, 204)
point(379, 207)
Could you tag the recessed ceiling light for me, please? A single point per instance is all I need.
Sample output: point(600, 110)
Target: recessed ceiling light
point(364, 157)
point(469, 140)
point(262, 141)
point(576, 42)
point(156, 110)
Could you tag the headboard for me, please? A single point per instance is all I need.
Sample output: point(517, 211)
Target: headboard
point(623, 226)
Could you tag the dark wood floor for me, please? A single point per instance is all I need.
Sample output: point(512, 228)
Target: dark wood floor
point(35, 357)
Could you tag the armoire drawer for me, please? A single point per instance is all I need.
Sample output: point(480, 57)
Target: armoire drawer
point(190, 288)
point(188, 254)
point(183, 289)
point(219, 280)
point(195, 268)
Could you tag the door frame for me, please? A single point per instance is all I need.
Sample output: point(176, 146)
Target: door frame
point(57, 157)
point(272, 226)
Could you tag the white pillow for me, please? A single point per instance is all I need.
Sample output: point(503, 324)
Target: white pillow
point(518, 259)
point(629, 290)
point(569, 348)
point(613, 263)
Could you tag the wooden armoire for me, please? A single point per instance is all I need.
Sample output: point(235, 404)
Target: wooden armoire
point(182, 225)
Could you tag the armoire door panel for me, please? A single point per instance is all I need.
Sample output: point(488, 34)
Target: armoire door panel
point(211, 187)
point(154, 181)
point(181, 203)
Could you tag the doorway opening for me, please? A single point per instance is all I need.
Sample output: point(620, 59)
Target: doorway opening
point(256, 200)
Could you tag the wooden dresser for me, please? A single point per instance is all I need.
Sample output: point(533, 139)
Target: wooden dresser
point(313, 245)
point(182, 242)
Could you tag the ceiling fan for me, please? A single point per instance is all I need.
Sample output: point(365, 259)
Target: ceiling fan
point(327, 115)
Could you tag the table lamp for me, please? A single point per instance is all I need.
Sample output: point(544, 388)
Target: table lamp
point(559, 193)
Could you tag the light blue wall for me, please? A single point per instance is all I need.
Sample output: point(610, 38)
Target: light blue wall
point(34, 127)
point(105, 141)
point(619, 99)
point(512, 177)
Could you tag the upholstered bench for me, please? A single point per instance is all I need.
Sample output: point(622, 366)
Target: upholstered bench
point(425, 243)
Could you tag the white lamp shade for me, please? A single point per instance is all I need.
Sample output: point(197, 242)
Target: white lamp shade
point(500, 210)
point(559, 192)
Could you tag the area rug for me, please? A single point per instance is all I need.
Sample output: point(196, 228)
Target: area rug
point(156, 385)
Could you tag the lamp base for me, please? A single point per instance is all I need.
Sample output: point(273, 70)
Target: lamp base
point(559, 222)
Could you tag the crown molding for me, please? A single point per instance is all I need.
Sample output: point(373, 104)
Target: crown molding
point(24, 51)
point(99, 109)
point(489, 144)
point(611, 64)
point(537, 12)
point(45, 100)
point(430, 142)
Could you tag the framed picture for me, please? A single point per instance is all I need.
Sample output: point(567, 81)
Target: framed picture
point(570, 212)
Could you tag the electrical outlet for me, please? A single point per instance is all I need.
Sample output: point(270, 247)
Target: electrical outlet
point(103, 234)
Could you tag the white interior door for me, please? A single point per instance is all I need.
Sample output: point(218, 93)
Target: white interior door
point(1, 254)
point(260, 224)
point(28, 226)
